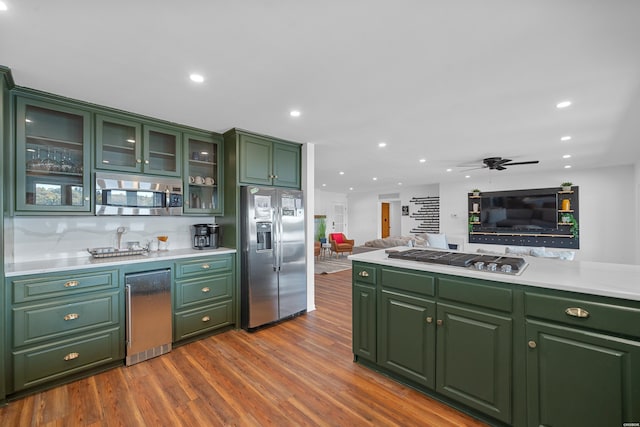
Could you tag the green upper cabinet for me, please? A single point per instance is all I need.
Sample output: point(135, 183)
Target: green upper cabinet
point(264, 161)
point(203, 173)
point(128, 145)
point(52, 157)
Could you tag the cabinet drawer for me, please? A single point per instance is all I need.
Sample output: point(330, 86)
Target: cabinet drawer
point(584, 312)
point(194, 322)
point(37, 288)
point(46, 363)
point(204, 265)
point(416, 282)
point(476, 293)
point(364, 273)
point(204, 290)
point(37, 323)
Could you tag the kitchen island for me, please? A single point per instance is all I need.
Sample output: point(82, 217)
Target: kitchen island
point(557, 344)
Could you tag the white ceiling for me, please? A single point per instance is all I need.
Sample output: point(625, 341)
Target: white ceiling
point(450, 81)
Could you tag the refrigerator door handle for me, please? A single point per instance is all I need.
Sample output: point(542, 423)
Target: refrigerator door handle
point(280, 234)
point(275, 239)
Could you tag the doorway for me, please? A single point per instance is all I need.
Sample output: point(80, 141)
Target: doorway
point(385, 217)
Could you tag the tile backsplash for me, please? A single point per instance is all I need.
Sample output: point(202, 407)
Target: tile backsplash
point(37, 238)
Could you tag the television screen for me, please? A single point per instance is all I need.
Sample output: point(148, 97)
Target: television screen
point(520, 212)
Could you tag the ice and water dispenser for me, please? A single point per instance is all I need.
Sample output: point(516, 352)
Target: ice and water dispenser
point(263, 236)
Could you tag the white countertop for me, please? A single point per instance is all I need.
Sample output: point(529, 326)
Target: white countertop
point(54, 265)
point(595, 278)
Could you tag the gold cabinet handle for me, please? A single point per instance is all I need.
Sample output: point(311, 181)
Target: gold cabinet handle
point(71, 356)
point(205, 289)
point(532, 344)
point(577, 312)
point(206, 266)
point(71, 316)
point(439, 322)
point(71, 284)
point(146, 162)
point(363, 274)
point(138, 160)
point(206, 318)
point(429, 319)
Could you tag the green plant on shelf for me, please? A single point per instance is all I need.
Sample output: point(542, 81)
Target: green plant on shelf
point(568, 218)
point(566, 186)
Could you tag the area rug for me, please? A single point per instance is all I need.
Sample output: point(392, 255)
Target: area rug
point(329, 264)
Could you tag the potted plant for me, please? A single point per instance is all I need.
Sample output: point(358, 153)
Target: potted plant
point(476, 192)
point(566, 186)
point(322, 230)
point(568, 218)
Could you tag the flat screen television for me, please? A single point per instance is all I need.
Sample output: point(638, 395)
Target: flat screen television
point(519, 212)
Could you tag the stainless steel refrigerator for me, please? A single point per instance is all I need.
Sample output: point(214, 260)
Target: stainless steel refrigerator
point(274, 273)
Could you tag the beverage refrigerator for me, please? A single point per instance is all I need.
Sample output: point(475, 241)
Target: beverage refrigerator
point(273, 273)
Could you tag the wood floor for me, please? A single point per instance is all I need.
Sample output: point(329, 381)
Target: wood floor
point(298, 373)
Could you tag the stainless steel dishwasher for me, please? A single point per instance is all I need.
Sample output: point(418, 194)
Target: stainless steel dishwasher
point(149, 330)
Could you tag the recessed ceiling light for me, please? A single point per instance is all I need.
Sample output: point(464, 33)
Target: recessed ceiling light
point(449, 170)
point(566, 156)
point(567, 166)
point(351, 188)
point(563, 104)
point(324, 185)
point(423, 160)
point(341, 173)
point(399, 183)
point(294, 113)
point(565, 138)
point(198, 78)
point(3, 6)
point(467, 176)
point(382, 144)
point(375, 178)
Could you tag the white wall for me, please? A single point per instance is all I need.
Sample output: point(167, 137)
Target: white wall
point(608, 206)
point(365, 212)
point(308, 161)
point(324, 202)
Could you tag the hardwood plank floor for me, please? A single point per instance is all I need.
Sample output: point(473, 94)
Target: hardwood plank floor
point(297, 373)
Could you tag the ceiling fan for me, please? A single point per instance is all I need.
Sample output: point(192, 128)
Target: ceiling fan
point(498, 163)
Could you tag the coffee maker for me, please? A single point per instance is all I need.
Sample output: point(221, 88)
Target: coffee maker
point(205, 236)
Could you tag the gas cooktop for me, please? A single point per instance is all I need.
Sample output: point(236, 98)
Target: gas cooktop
point(491, 263)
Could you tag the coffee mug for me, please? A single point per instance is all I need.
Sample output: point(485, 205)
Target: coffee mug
point(192, 180)
point(199, 180)
point(208, 180)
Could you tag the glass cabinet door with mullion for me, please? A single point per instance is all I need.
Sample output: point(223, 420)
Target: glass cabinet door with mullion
point(162, 151)
point(118, 144)
point(202, 174)
point(52, 157)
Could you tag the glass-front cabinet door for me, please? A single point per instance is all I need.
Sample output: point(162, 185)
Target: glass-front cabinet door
point(52, 157)
point(202, 174)
point(118, 144)
point(127, 145)
point(162, 151)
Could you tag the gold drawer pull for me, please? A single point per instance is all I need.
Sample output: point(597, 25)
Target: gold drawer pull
point(363, 274)
point(71, 284)
point(71, 316)
point(205, 290)
point(577, 312)
point(439, 322)
point(71, 356)
point(206, 266)
point(532, 344)
point(429, 319)
point(206, 318)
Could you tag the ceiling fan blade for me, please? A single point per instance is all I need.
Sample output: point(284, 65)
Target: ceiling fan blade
point(532, 162)
point(473, 169)
point(499, 167)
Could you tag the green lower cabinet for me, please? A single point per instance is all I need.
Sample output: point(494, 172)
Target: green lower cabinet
point(474, 362)
point(187, 324)
point(581, 378)
point(364, 321)
point(406, 336)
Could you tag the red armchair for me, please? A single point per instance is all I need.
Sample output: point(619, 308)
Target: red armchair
point(339, 243)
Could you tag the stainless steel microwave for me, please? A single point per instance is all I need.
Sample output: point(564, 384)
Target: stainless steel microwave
point(122, 194)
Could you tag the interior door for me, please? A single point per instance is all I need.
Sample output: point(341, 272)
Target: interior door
point(385, 220)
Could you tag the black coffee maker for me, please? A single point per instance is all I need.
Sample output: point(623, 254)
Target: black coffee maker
point(205, 236)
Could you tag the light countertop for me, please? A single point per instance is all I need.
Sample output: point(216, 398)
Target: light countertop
point(79, 263)
point(595, 278)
